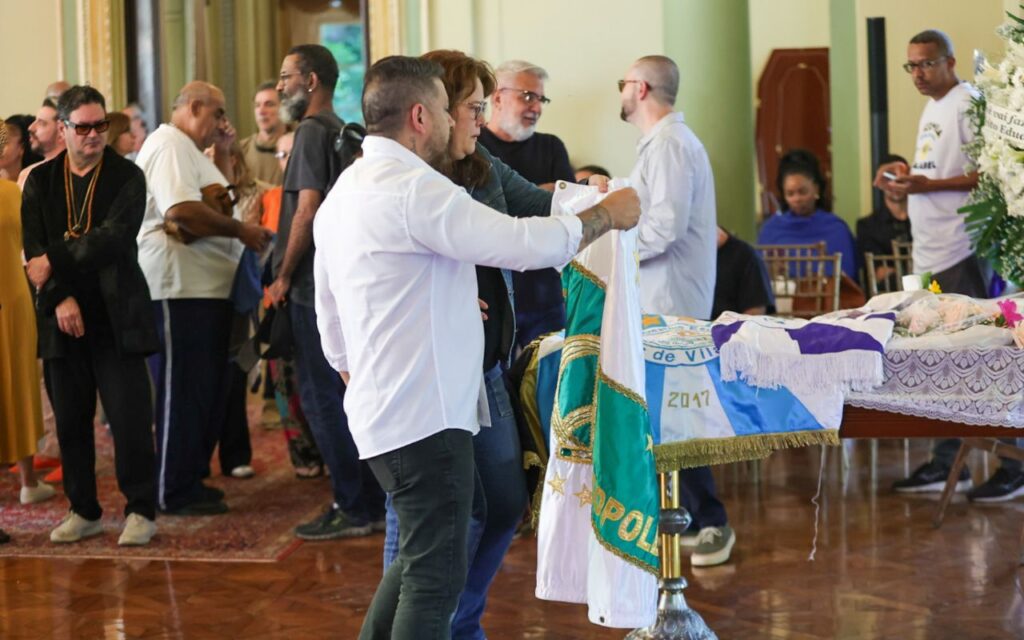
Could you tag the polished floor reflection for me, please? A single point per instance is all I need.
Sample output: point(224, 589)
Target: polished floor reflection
point(880, 571)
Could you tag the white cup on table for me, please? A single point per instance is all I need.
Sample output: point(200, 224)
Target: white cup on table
point(912, 282)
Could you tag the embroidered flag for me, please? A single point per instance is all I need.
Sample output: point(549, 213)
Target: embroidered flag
point(597, 533)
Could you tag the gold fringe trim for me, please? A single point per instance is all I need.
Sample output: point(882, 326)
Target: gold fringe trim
point(588, 274)
point(687, 454)
point(624, 556)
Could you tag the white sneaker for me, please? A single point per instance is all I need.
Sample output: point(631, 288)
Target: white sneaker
point(714, 546)
point(138, 530)
point(689, 539)
point(38, 493)
point(74, 527)
point(243, 471)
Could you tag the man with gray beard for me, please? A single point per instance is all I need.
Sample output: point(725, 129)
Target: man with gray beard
point(306, 84)
point(511, 136)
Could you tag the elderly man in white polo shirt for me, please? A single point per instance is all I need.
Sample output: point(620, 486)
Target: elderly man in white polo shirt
point(396, 306)
point(189, 253)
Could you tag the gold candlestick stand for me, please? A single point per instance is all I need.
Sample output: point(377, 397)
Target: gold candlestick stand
point(676, 620)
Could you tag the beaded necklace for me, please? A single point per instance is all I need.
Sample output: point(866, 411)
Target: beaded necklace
point(79, 220)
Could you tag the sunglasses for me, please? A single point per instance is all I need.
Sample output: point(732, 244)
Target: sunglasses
point(84, 128)
point(622, 83)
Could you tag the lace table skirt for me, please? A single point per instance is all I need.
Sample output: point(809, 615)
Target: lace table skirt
point(979, 386)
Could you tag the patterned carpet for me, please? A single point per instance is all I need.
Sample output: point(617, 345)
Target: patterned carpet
point(258, 528)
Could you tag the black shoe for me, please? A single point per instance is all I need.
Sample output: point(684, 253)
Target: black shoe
point(210, 494)
point(333, 524)
point(1002, 486)
point(931, 476)
point(200, 507)
point(4, 538)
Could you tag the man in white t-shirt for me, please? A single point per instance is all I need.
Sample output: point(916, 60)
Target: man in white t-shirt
point(938, 183)
point(189, 253)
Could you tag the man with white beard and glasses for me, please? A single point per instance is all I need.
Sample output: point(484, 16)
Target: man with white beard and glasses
point(511, 136)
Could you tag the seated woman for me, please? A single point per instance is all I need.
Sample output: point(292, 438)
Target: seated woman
point(804, 218)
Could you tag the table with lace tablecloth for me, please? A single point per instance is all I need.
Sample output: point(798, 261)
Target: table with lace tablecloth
point(974, 393)
point(974, 386)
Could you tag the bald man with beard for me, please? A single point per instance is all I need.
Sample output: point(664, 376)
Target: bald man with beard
point(677, 241)
point(189, 249)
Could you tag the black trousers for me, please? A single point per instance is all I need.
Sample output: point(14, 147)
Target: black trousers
point(92, 365)
point(431, 485)
point(190, 376)
point(699, 496)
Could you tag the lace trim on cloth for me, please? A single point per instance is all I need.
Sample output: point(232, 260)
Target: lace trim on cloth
point(982, 386)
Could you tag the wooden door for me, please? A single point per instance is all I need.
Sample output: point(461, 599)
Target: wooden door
point(792, 112)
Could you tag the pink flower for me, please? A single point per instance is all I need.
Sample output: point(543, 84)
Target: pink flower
point(1010, 313)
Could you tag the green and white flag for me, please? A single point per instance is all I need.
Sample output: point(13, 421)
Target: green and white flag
point(597, 532)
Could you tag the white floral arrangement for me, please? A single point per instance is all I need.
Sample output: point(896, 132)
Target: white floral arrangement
point(995, 211)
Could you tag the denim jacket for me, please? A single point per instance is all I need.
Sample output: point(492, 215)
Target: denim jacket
point(508, 192)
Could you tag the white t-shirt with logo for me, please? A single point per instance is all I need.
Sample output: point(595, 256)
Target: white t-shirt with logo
point(940, 239)
point(176, 171)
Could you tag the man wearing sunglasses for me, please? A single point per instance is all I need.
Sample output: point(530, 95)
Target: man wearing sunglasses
point(511, 136)
point(81, 212)
point(677, 241)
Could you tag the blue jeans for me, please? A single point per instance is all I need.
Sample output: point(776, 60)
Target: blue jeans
point(430, 485)
point(322, 393)
point(498, 506)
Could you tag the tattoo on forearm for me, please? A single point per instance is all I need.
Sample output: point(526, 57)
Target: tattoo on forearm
point(596, 222)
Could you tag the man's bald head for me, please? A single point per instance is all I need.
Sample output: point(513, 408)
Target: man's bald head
point(661, 75)
point(200, 91)
point(199, 112)
point(56, 89)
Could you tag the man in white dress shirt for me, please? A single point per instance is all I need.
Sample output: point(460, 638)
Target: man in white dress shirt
point(397, 310)
point(678, 245)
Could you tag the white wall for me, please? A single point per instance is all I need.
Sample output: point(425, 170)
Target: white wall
point(30, 49)
point(585, 47)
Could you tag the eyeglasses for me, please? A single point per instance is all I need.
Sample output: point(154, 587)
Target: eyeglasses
point(476, 108)
point(83, 129)
point(529, 97)
point(285, 76)
point(623, 83)
point(924, 65)
point(281, 155)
